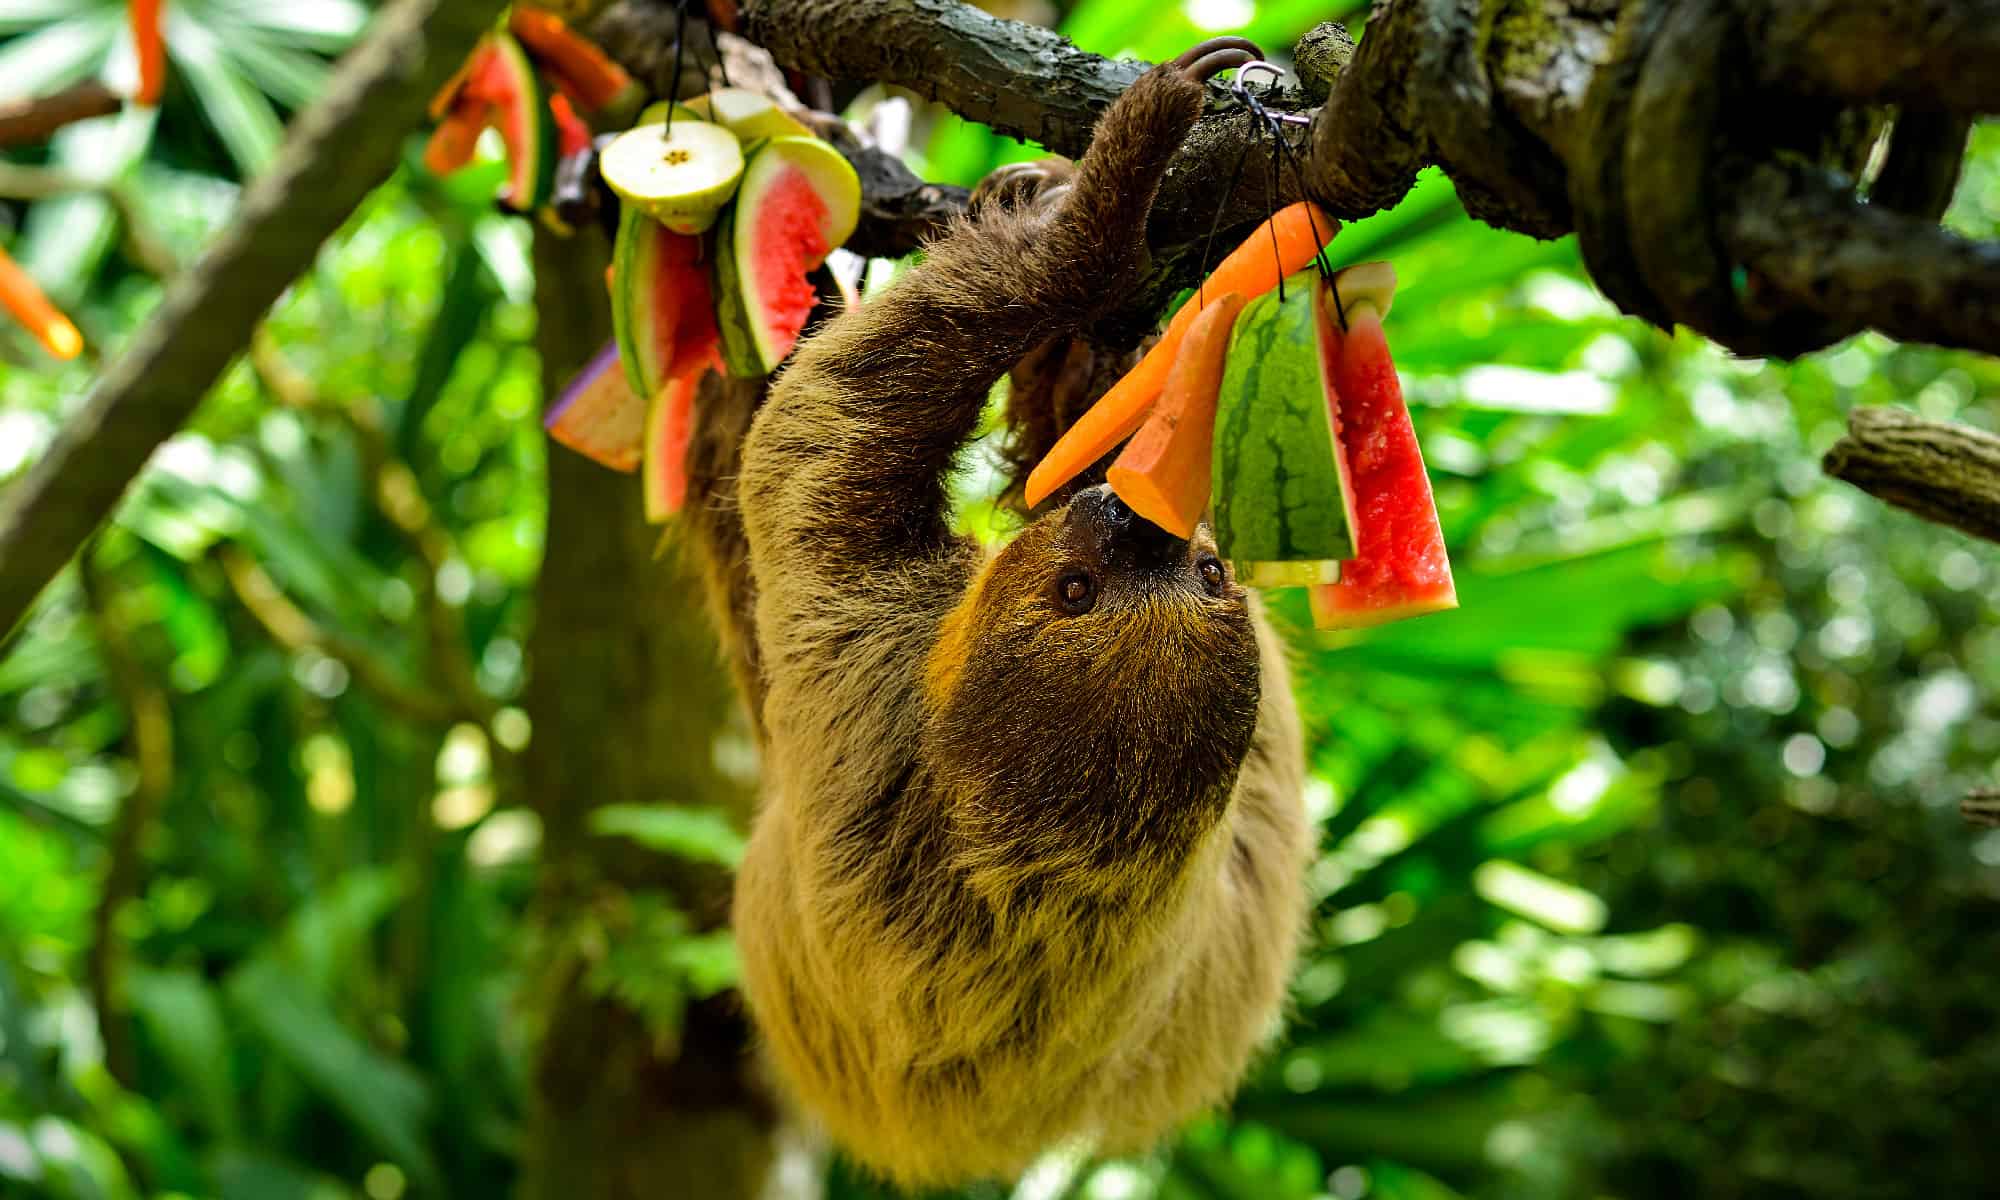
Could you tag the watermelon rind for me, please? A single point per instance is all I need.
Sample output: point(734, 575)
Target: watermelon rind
point(1304, 573)
point(632, 265)
point(681, 173)
point(1281, 493)
point(751, 347)
point(528, 128)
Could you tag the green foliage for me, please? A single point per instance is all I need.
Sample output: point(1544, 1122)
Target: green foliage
point(1639, 875)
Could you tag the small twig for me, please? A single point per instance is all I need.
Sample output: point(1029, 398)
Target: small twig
point(1981, 807)
point(35, 120)
point(149, 721)
point(1940, 471)
point(293, 630)
point(141, 242)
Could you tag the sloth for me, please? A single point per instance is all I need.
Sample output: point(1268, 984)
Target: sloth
point(1027, 869)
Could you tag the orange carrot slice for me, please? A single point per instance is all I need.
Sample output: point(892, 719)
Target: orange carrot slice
point(1164, 471)
point(572, 135)
point(21, 297)
point(455, 139)
point(574, 63)
point(1300, 230)
point(145, 19)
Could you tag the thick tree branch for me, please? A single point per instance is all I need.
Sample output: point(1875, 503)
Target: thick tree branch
point(338, 149)
point(26, 122)
point(1926, 53)
point(1940, 471)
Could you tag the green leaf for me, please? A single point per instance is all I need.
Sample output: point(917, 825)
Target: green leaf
point(696, 834)
point(239, 113)
point(183, 1018)
point(382, 1098)
point(55, 56)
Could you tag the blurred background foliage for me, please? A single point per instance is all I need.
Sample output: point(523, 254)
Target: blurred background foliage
point(1641, 874)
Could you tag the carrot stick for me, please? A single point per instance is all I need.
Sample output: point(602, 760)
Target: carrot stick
point(1164, 471)
point(144, 16)
point(572, 135)
point(20, 295)
point(1251, 269)
point(455, 139)
point(578, 66)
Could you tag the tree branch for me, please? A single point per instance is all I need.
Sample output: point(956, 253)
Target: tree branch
point(1981, 807)
point(27, 122)
point(338, 149)
point(1926, 53)
point(1942, 472)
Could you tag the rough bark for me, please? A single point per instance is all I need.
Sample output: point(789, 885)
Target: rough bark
point(628, 702)
point(1926, 53)
point(1940, 471)
point(336, 151)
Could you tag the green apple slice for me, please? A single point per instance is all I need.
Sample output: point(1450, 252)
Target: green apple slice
point(681, 175)
point(747, 114)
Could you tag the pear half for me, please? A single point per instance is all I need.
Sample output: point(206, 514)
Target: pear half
point(682, 175)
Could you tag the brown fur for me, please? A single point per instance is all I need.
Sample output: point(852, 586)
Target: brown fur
point(1020, 876)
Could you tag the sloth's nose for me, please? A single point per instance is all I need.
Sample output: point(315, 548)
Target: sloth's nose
point(1127, 538)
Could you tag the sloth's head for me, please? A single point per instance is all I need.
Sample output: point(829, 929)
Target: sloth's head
point(1098, 660)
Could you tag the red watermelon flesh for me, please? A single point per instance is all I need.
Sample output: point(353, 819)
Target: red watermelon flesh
point(572, 135)
point(790, 242)
point(599, 416)
point(502, 80)
point(669, 429)
point(1400, 568)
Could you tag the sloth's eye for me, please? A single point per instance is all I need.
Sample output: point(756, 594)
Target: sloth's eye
point(1211, 575)
point(1075, 592)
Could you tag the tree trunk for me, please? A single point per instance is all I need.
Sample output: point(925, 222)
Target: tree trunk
point(628, 702)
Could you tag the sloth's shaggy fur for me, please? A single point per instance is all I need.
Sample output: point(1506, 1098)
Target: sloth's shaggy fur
point(1020, 875)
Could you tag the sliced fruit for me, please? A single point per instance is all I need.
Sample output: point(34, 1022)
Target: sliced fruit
point(656, 113)
point(574, 63)
point(1164, 471)
point(502, 87)
point(662, 310)
point(669, 429)
point(1281, 493)
point(799, 200)
point(1286, 243)
point(681, 173)
point(747, 114)
point(599, 416)
point(456, 138)
point(1400, 568)
point(572, 135)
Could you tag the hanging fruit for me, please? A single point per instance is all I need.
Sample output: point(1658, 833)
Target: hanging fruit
point(1400, 568)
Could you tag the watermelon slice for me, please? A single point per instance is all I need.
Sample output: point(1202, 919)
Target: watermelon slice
point(669, 429)
point(661, 308)
point(798, 201)
point(599, 416)
point(1400, 568)
point(1284, 513)
point(497, 86)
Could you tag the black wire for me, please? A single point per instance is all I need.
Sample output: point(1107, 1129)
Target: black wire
point(680, 45)
point(1208, 243)
point(715, 50)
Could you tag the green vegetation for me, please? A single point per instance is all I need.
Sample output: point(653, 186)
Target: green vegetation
point(1641, 872)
